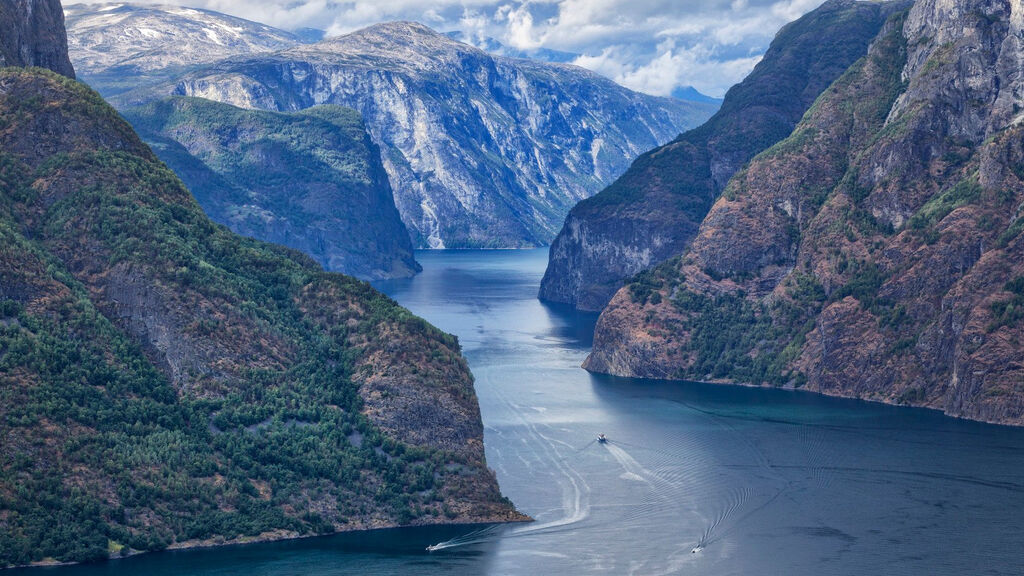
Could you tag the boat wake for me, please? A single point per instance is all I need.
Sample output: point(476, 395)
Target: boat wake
point(475, 537)
point(575, 490)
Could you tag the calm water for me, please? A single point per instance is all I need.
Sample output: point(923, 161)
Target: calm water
point(759, 481)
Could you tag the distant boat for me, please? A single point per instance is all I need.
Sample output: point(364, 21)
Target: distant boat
point(601, 438)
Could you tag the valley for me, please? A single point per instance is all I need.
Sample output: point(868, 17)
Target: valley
point(414, 293)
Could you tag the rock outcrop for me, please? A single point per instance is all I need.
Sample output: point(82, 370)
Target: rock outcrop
point(482, 151)
point(32, 34)
point(310, 180)
point(653, 211)
point(877, 252)
point(167, 383)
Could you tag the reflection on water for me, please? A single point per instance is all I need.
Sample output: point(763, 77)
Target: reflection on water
point(694, 479)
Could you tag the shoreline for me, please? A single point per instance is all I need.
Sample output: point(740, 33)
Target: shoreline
point(273, 536)
point(789, 388)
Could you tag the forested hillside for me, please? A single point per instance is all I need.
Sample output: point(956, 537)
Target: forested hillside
point(166, 383)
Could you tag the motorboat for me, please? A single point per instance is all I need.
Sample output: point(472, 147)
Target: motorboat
point(601, 438)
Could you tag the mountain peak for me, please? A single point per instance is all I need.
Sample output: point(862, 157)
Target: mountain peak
point(405, 43)
point(400, 27)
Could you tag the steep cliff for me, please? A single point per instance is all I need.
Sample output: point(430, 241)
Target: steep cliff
point(653, 211)
point(166, 383)
point(117, 47)
point(310, 180)
point(32, 34)
point(481, 150)
point(875, 253)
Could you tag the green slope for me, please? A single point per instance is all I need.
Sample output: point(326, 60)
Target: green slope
point(164, 382)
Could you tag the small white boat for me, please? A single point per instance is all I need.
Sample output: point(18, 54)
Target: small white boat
point(601, 438)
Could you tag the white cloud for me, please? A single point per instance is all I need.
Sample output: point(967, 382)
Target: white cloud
point(650, 45)
point(519, 31)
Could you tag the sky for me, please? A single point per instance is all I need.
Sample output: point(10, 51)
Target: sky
point(652, 46)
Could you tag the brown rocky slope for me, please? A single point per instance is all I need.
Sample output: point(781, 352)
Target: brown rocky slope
point(875, 253)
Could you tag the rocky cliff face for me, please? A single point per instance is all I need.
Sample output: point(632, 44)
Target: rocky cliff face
point(481, 151)
point(167, 383)
point(116, 47)
point(653, 211)
point(875, 253)
point(32, 34)
point(310, 180)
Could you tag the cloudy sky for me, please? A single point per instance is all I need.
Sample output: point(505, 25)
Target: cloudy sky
point(653, 46)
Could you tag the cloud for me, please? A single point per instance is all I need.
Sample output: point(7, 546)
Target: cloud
point(673, 67)
point(654, 46)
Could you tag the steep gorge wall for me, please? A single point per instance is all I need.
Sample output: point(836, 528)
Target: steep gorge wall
point(653, 211)
point(876, 253)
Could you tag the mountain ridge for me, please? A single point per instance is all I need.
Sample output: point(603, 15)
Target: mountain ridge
point(172, 384)
point(154, 42)
point(482, 151)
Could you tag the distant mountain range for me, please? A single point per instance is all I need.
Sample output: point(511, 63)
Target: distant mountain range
point(312, 181)
point(496, 47)
point(117, 47)
point(481, 151)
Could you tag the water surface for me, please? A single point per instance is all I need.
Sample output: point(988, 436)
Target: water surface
point(756, 481)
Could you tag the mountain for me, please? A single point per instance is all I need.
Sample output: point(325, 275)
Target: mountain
point(167, 383)
point(481, 150)
point(692, 94)
point(876, 253)
point(32, 34)
point(653, 211)
point(310, 180)
point(116, 47)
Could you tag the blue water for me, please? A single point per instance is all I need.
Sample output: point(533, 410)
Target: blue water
point(758, 481)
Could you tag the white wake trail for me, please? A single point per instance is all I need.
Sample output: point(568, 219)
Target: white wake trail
point(575, 490)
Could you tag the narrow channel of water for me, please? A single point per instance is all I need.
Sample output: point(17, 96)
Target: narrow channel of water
point(695, 478)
